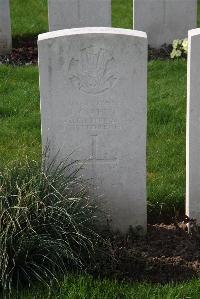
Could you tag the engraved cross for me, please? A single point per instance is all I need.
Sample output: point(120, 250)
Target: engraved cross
point(94, 158)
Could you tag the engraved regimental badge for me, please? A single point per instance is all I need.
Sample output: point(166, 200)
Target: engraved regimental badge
point(93, 72)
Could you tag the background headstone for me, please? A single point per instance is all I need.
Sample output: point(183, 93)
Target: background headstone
point(193, 127)
point(5, 27)
point(164, 20)
point(64, 14)
point(93, 85)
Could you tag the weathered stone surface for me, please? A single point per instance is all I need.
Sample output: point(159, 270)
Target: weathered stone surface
point(193, 128)
point(93, 84)
point(64, 14)
point(164, 20)
point(5, 27)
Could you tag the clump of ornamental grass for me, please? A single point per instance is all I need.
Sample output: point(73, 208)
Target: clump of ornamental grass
point(48, 224)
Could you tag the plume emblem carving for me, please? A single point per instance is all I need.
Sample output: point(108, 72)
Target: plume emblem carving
point(93, 72)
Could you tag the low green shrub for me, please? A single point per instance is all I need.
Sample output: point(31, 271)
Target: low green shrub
point(180, 48)
point(48, 224)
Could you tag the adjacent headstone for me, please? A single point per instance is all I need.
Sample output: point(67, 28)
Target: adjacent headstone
point(5, 27)
point(64, 14)
point(93, 85)
point(164, 20)
point(193, 128)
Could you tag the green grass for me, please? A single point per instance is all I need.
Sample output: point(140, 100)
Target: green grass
point(166, 134)
point(84, 287)
point(29, 17)
point(20, 136)
point(122, 13)
point(19, 113)
point(20, 125)
point(19, 110)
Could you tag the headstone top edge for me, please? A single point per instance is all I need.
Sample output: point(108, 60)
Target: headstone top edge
point(193, 32)
point(90, 30)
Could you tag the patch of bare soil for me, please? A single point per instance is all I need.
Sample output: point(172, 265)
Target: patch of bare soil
point(160, 54)
point(25, 52)
point(167, 253)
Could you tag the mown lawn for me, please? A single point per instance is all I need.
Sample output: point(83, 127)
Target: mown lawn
point(31, 17)
point(20, 119)
point(20, 126)
point(85, 287)
point(20, 136)
point(19, 113)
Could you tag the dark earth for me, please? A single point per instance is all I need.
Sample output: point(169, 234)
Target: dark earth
point(168, 252)
point(25, 52)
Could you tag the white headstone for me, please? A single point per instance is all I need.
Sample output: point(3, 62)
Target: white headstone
point(93, 85)
point(193, 127)
point(164, 20)
point(5, 27)
point(64, 14)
